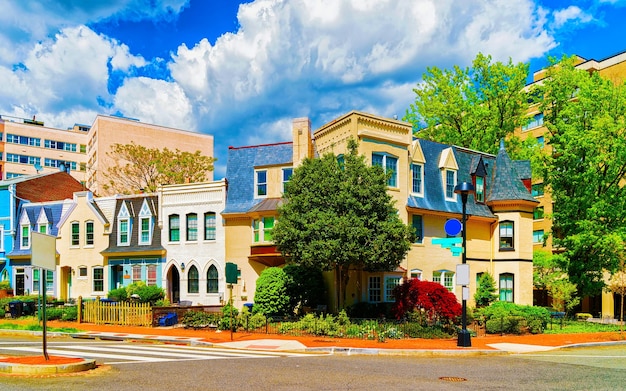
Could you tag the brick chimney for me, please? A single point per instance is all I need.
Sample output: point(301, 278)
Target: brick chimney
point(302, 142)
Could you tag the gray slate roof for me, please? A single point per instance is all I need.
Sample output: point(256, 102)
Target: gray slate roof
point(240, 172)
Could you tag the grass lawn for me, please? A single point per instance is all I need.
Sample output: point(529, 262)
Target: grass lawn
point(578, 326)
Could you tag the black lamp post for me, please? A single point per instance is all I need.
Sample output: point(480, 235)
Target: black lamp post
point(464, 188)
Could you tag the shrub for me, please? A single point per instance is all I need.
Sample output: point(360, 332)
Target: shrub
point(503, 317)
point(431, 298)
point(270, 298)
point(370, 310)
point(224, 323)
point(149, 293)
point(5, 284)
point(486, 292)
point(54, 313)
point(118, 294)
point(200, 319)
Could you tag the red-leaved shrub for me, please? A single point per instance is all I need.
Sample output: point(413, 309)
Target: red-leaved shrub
point(431, 298)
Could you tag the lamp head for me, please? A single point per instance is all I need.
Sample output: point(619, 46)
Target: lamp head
point(464, 188)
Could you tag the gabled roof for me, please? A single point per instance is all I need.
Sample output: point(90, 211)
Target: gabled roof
point(133, 204)
point(434, 195)
point(240, 172)
point(52, 210)
point(52, 186)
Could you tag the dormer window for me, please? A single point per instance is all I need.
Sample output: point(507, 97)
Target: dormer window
point(450, 184)
point(25, 236)
point(260, 185)
point(145, 224)
point(123, 226)
point(417, 174)
point(480, 189)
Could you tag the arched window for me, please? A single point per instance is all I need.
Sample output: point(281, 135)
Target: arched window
point(212, 278)
point(192, 280)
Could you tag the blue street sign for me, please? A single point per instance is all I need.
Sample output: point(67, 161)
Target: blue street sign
point(453, 227)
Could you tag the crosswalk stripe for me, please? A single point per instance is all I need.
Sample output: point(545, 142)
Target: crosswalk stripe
point(137, 353)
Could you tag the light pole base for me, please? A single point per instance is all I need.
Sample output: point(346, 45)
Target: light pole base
point(464, 339)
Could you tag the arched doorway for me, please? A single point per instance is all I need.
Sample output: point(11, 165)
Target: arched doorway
point(173, 285)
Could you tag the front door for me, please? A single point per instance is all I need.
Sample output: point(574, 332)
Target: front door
point(19, 284)
point(173, 282)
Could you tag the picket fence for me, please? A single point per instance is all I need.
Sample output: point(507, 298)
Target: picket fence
point(118, 313)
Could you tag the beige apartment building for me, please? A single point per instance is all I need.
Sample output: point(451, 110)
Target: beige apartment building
point(29, 147)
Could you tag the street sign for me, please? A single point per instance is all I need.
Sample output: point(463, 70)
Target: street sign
point(43, 251)
point(462, 274)
point(231, 273)
point(453, 227)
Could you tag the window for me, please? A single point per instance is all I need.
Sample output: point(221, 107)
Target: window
point(537, 190)
point(390, 166)
point(136, 273)
point(98, 279)
point(123, 226)
point(145, 230)
point(82, 272)
point(145, 224)
point(152, 275)
point(450, 183)
point(261, 183)
point(71, 147)
point(174, 228)
point(480, 189)
point(417, 174)
point(541, 141)
point(418, 227)
point(506, 287)
point(25, 236)
point(209, 226)
point(287, 173)
point(43, 228)
point(262, 229)
point(49, 281)
point(506, 235)
point(445, 278)
point(391, 283)
point(23, 159)
point(123, 234)
point(36, 280)
point(535, 121)
point(538, 213)
point(212, 280)
point(416, 273)
point(89, 233)
point(83, 148)
point(192, 227)
point(374, 289)
point(538, 236)
point(192, 280)
point(23, 140)
point(75, 233)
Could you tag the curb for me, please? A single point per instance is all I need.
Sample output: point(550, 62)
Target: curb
point(406, 352)
point(46, 369)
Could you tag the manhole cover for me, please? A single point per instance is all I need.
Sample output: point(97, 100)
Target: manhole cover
point(452, 378)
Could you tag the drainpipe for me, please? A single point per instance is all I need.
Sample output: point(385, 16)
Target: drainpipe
point(493, 228)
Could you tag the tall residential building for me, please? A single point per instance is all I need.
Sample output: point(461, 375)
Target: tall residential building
point(612, 68)
point(28, 147)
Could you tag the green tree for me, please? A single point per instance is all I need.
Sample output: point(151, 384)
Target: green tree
point(584, 170)
point(137, 168)
point(549, 276)
point(338, 216)
point(486, 291)
point(270, 297)
point(472, 107)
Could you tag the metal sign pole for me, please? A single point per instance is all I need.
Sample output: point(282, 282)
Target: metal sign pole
point(43, 274)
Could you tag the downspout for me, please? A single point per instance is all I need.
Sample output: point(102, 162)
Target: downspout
point(492, 226)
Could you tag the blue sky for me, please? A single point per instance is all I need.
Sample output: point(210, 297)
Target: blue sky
point(243, 71)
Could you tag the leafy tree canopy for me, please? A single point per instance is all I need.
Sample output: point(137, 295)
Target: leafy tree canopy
point(584, 169)
point(472, 107)
point(338, 216)
point(137, 168)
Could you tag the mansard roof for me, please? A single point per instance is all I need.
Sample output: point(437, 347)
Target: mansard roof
point(240, 172)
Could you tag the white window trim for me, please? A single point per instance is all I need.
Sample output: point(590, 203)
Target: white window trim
point(418, 272)
point(444, 174)
point(29, 236)
point(78, 276)
point(420, 193)
point(145, 214)
point(1, 237)
point(283, 177)
point(93, 233)
point(442, 278)
point(123, 215)
point(261, 221)
point(256, 184)
point(93, 280)
point(72, 245)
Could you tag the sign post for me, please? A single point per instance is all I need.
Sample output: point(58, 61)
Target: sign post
point(231, 278)
point(43, 255)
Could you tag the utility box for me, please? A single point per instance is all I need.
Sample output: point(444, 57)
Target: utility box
point(231, 273)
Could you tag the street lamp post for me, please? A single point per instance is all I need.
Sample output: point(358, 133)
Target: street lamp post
point(464, 188)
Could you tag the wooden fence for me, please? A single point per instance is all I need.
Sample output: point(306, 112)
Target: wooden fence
point(119, 313)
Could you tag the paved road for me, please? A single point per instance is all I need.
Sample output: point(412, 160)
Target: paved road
point(111, 353)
